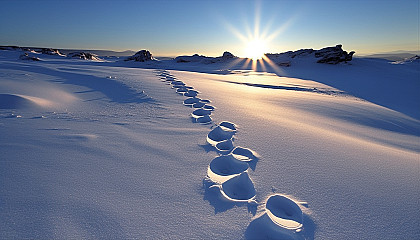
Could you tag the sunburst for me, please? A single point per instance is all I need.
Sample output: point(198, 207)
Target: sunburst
point(255, 43)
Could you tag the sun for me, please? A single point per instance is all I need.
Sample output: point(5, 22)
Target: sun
point(255, 49)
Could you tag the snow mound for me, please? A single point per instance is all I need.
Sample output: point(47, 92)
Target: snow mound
point(329, 55)
point(16, 101)
point(141, 56)
point(84, 56)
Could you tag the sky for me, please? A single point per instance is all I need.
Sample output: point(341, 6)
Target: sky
point(178, 27)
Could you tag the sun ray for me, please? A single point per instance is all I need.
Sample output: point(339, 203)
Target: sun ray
point(235, 62)
point(262, 62)
point(239, 35)
point(246, 64)
point(257, 18)
point(276, 68)
point(280, 30)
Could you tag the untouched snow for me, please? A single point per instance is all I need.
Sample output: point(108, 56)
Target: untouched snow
point(109, 150)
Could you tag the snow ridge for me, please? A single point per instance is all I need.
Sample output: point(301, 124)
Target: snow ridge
point(228, 177)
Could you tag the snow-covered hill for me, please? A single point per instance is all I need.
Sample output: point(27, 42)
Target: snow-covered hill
point(115, 150)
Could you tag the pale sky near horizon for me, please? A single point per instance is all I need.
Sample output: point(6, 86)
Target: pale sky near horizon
point(170, 28)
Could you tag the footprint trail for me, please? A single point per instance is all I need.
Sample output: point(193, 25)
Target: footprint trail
point(280, 217)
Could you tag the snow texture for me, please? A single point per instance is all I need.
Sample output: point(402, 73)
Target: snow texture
point(167, 150)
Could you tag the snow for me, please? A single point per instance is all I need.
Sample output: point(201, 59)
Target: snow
point(110, 150)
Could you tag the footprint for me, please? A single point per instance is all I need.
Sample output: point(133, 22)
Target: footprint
point(228, 125)
point(191, 101)
point(238, 189)
point(284, 212)
point(191, 93)
point(176, 82)
point(181, 91)
point(208, 107)
point(200, 113)
point(225, 167)
point(244, 154)
point(178, 86)
point(224, 147)
point(198, 105)
point(219, 134)
point(204, 120)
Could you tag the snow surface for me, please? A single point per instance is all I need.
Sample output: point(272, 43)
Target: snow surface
point(110, 150)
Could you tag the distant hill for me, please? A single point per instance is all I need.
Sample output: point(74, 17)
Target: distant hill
point(395, 56)
point(101, 53)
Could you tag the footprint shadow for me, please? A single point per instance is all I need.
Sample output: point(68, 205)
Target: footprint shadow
point(263, 228)
point(221, 204)
point(208, 148)
point(253, 164)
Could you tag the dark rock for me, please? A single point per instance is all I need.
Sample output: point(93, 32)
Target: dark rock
point(50, 51)
point(26, 56)
point(194, 58)
point(84, 55)
point(227, 55)
point(284, 64)
point(411, 60)
point(141, 56)
point(333, 55)
point(180, 59)
point(330, 55)
point(204, 59)
point(301, 52)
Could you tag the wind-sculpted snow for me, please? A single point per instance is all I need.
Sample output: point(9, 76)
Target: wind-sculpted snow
point(13, 101)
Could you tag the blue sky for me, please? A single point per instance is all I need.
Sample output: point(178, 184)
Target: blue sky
point(210, 27)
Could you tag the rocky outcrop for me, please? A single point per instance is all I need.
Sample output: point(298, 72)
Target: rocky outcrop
point(50, 51)
point(26, 56)
point(412, 60)
point(329, 55)
point(227, 55)
point(194, 58)
point(84, 56)
point(333, 55)
point(203, 59)
point(140, 56)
